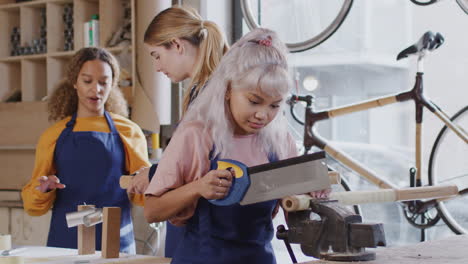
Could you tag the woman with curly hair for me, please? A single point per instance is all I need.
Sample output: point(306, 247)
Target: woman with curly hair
point(80, 158)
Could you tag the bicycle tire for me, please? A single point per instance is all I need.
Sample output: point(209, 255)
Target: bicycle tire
point(463, 5)
point(448, 210)
point(423, 3)
point(312, 42)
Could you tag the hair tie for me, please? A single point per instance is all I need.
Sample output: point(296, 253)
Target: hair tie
point(265, 42)
point(203, 31)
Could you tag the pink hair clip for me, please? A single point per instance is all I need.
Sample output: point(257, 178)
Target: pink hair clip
point(265, 42)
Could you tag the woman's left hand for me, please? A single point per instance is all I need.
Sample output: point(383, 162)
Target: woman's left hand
point(321, 194)
point(140, 181)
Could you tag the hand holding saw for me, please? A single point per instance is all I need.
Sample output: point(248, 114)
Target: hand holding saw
point(274, 180)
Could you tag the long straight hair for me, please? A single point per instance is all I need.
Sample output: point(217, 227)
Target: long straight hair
point(249, 64)
point(185, 23)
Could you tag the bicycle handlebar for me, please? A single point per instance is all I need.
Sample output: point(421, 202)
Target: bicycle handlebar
point(292, 102)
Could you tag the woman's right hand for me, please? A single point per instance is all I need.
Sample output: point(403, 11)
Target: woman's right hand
point(215, 184)
point(49, 183)
point(140, 181)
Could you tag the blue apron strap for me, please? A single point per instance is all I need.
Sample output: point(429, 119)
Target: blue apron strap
point(67, 130)
point(72, 122)
point(110, 122)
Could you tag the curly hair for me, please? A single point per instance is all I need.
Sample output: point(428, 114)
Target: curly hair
point(63, 101)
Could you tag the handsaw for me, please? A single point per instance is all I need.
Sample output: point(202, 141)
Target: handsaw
point(274, 180)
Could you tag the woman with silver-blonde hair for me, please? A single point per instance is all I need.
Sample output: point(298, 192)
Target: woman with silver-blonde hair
point(237, 116)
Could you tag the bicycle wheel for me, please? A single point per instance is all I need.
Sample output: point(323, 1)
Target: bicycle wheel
point(463, 5)
point(448, 164)
point(286, 9)
point(424, 2)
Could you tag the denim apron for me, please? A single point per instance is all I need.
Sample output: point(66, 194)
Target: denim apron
point(90, 164)
point(174, 234)
point(233, 234)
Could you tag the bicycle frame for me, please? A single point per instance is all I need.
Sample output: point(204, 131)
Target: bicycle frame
point(311, 138)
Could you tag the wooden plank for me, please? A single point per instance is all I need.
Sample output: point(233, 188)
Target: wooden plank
point(110, 232)
point(22, 123)
point(301, 201)
point(86, 236)
point(8, 195)
point(448, 251)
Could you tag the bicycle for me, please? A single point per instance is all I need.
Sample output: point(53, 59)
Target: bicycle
point(447, 209)
point(463, 4)
point(313, 41)
point(320, 36)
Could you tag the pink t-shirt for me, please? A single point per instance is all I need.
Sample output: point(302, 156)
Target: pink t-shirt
point(187, 159)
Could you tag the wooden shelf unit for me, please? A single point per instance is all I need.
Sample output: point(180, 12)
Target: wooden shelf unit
point(36, 75)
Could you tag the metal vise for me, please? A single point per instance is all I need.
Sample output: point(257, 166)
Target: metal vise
point(339, 234)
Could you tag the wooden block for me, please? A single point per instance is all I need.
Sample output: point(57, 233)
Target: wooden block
point(110, 232)
point(86, 236)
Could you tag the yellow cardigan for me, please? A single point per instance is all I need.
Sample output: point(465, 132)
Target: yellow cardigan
point(136, 155)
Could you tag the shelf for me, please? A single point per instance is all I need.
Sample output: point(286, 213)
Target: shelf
point(11, 204)
point(18, 147)
point(117, 50)
point(34, 83)
point(61, 54)
point(56, 69)
point(11, 81)
point(56, 30)
point(8, 20)
point(24, 57)
point(35, 3)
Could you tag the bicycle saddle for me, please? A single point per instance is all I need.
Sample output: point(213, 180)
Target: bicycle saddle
point(429, 41)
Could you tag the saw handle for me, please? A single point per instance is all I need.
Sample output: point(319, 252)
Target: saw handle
point(302, 202)
point(240, 183)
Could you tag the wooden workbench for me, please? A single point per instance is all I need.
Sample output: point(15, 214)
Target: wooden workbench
point(447, 251)
point(50, 255)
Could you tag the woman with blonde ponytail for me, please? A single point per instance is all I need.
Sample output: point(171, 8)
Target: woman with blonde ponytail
point(185, 47)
